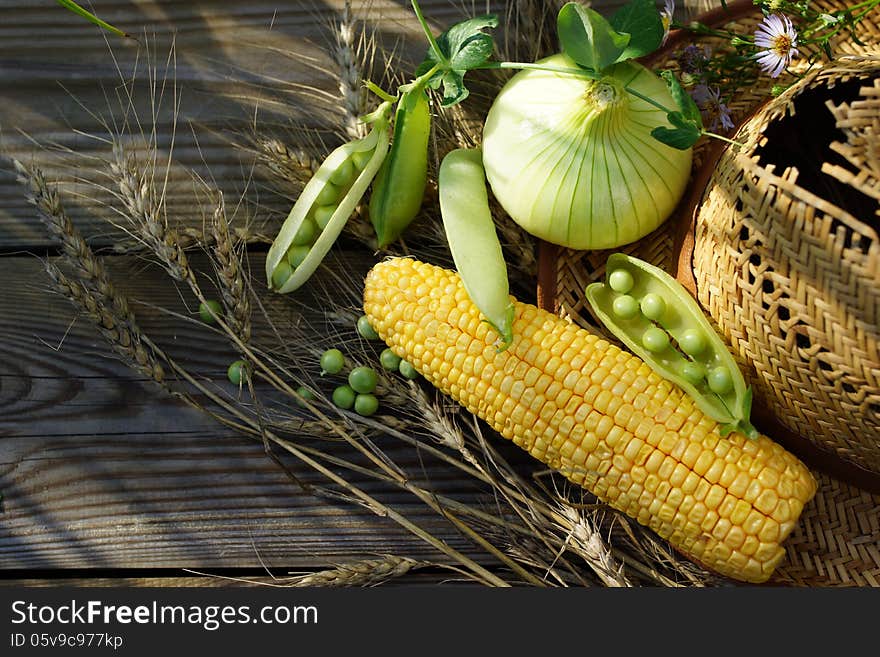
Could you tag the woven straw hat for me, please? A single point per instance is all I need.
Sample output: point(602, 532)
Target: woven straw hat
point(787, 261)
point(750, 239)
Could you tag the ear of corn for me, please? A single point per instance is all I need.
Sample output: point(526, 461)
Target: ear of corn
point(600, 416)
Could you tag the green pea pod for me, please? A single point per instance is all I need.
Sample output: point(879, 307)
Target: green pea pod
point(660, 322)
point(329, 199)
point(400, 185)
point(473, 240)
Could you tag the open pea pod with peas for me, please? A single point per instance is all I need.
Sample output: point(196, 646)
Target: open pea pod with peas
point(653, 315)
point(327, 201)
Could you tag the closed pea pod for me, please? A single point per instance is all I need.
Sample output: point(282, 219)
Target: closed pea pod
point(473, 240)
point(325, 205)
point(397, 194)
point(670, 333)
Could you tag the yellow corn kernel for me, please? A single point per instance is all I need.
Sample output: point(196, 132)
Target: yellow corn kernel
point(735, 536)
point(596, 412)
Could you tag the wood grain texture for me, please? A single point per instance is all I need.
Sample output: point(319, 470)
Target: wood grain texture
point(100, 469)
point(232, 64)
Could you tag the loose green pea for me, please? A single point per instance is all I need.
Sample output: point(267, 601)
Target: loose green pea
point(693, 342)
point(342, 176)
point(693, 372)
point(389, 360)
point(306, 234)
point(282, 272)
point(322, 215)
point(366, 404)
point(655, 339)
point(209, 309)
point(332, 361)
point(407, 370)
point(653, 306)
point(365, 329)
point(720, 381)
point(621, 281)
point(344, 396)
point(236, 372)
point(360, 158)
point(305, 394)
point(363, 379)
point(296, 255)
point(329, 194)
point(625, 307)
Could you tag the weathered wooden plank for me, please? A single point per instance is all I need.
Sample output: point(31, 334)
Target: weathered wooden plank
point(100, 469)
point(73, 87)
point(197, 500)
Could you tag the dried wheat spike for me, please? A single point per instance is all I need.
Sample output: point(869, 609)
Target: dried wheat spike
point(122, 334)
point(361, 573)
point(347, 56)
point(76, 251)
point(232, 282)
point(285, 162)
point(145, 213)
point(586, 541)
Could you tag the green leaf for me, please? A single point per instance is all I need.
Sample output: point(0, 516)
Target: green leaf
point(682, 99)
point(684, 135)
point(466, 43)
point(588, 38)
point(463, 46)
point(454, 90)
point(473, 52)
point(641, 20)
point(79, 11)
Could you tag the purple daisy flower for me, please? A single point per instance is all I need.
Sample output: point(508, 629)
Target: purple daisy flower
point(778, 37)
point(693, 58)
point(714, 110)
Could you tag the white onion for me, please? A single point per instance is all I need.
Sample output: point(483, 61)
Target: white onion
point(572, 160)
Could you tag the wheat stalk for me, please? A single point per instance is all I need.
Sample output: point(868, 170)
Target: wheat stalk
point(531, 33)
point(190, 237)
point(292, 165)
point(348, 56)
point(94, 292)
point(232, 282)
point(364, 573)
point(145, 213)
point(369, 572)
point(123, 336)
point(49, 208)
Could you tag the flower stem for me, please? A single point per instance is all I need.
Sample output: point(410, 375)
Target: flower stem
point(420, 81)
point(438, 54)
point(648, 100)
point(565, 70)
point(379, 91)
point(732, 142)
